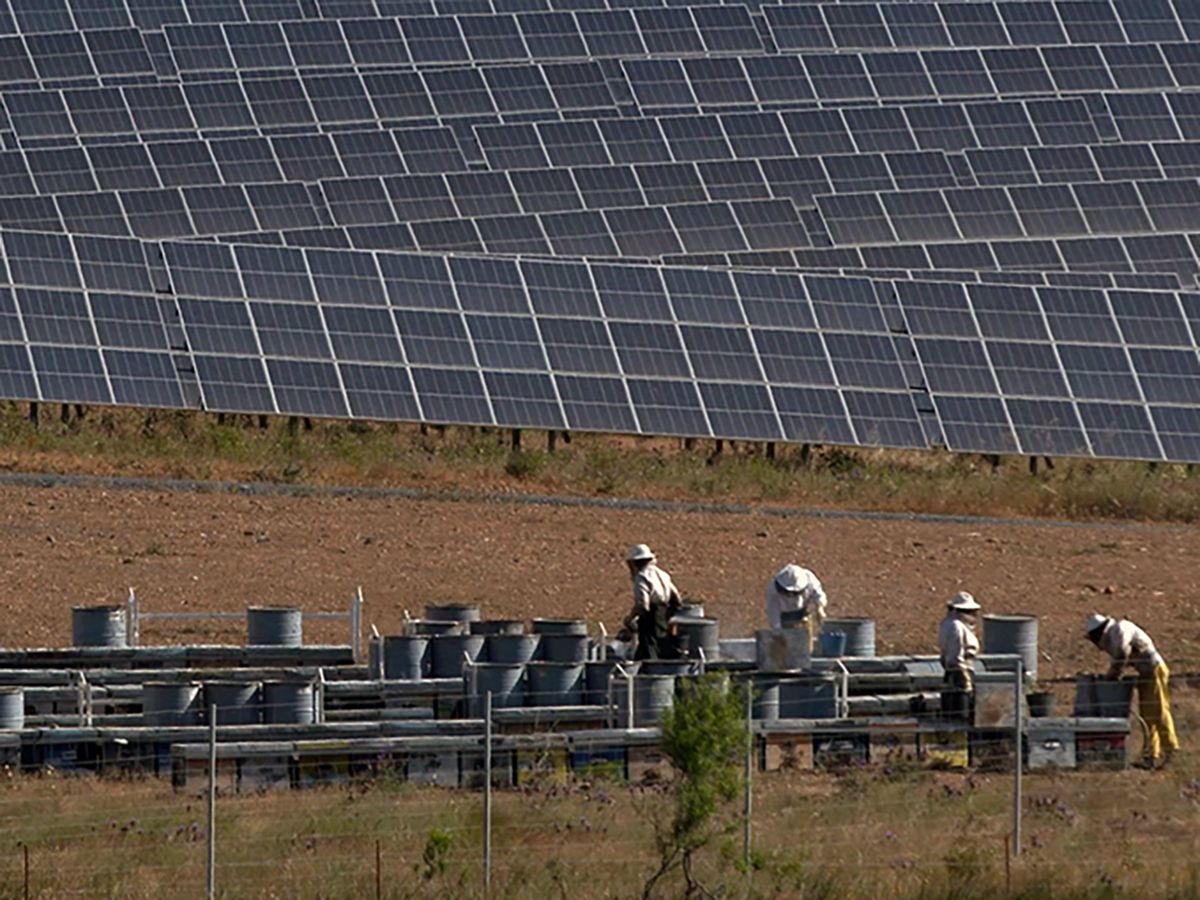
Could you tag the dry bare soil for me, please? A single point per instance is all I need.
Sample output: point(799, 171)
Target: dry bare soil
point(182, 551)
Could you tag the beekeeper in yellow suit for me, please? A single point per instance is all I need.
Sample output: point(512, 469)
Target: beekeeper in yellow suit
point(1128, 645)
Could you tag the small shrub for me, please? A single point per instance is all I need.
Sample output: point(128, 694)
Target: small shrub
point(704, 735)
point(525, 463)
point(435, 856)
point(226, 441)
point(839, 460)
point(967, 868)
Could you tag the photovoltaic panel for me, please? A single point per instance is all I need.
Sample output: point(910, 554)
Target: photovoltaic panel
point(1058, 143)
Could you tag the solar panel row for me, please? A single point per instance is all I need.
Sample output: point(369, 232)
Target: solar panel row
point(541, 344)
point(928, 24)
point(1018, 179)
point(1144, 256)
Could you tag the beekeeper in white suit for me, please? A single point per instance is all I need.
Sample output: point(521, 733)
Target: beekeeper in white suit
point(1128, 645)
point(792, 589)
point(957, 642)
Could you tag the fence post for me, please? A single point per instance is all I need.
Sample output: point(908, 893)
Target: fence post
point(356, 605)
point(212, 801)
point(83, 699)
point(749, 772)
point(132, 625)
point(487, 794)
point(1016, 832)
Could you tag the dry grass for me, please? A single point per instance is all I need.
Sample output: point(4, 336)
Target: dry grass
point(195, 445)
point(902, 831)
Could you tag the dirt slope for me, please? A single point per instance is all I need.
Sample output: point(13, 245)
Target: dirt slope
point(185, 551)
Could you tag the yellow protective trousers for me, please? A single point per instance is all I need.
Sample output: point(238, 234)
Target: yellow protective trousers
point(1154, 704)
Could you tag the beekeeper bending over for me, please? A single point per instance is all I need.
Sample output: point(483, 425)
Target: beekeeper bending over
point(1128, 645)
point(795, 589)
point(655, 601)
point(957, 642)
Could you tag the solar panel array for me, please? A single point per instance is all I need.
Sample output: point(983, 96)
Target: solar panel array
point(908, 224)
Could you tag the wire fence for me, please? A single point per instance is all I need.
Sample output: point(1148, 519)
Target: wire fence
point(886, 810)
point(857, 829)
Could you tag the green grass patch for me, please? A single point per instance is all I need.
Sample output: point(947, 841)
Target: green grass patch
point(203, 446)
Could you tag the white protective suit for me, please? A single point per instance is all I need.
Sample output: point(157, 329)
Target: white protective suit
point(1125, 643)
point(652, 585)
point(811, 597)
point(957, 643)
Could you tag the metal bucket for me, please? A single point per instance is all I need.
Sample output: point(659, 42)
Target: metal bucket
point(833, 644)
point(171, 703)
point(595, 680)
point(809, 697)
point(406, 656)
point(287, 703)
point(447, 650)
point(433, 627)
point(1013, 634)
point(559, 626)
point(237, 702)
point(453, 612)
point(622, 694)
point(554, 684)
point(1041, 704)
point(374, 658)
point(652, 696)
point(765, 702)
point(860, 635)
point(98, 626)
point(564, 647)
point(511, 648)
point(782, 650)
point(665, 667)
point(274, 626)
point(12, 708)
point(1098, 697)
point(699, 634)
point(504, 680)
point(497, 626)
